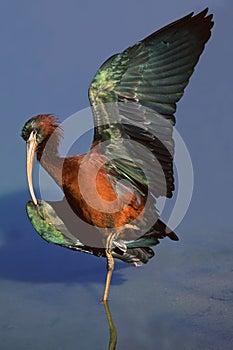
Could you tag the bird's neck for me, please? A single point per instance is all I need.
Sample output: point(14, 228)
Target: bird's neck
point(47, 155)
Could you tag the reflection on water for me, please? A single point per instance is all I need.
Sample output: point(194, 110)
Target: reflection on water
point(50, 296)
point(112, 328)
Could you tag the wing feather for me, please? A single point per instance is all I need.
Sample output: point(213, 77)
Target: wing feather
point(134, 95)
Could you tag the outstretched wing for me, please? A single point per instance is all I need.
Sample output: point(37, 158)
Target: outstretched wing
point(45, 218)
point(134, 95)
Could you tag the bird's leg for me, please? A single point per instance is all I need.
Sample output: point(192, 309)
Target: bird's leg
point(110, 265)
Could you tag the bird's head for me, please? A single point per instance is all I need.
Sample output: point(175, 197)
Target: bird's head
point(36, 132)
point(39, 128)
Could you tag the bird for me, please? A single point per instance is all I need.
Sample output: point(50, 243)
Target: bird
point(115, 185)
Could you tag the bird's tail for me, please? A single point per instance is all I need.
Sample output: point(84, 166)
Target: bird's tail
point(151, 237)
point(138, 252)
point(135, 256)
point(160, 230)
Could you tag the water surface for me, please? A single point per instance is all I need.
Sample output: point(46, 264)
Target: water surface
point(51, 297)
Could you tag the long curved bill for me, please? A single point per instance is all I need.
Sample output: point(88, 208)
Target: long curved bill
point(31, 147)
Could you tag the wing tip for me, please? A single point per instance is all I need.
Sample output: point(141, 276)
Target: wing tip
point(199, 19)
point(202, 16)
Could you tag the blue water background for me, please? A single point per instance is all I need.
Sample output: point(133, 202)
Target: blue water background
point(50, 298)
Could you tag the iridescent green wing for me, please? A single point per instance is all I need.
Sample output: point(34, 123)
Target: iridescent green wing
point(134, 95)
point(51, 228)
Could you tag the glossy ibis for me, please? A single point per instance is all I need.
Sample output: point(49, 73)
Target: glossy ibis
point(133, 98)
